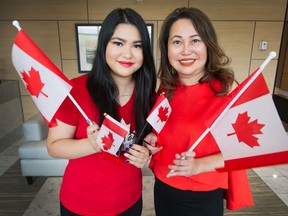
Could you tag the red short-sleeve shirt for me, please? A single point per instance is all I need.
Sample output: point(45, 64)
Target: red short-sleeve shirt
point(98, 184)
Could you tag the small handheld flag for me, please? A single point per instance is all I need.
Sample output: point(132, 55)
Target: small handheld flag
point(111, 135)
point(159, 113)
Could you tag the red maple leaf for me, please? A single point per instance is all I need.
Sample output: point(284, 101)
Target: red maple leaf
point(33, 81)
point(163, 113)
point(108, 141)
point(245, 130)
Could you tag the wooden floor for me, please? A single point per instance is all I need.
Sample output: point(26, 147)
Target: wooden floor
point(16, 195)
point(267, 203)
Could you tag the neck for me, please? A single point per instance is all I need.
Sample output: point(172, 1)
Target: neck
point(125, 88)
point(191, 80)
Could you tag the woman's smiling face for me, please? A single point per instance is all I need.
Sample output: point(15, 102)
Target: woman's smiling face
point(187, 53)
point(124, 54)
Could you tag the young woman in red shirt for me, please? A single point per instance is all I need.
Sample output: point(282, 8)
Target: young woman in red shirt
point(122, 84)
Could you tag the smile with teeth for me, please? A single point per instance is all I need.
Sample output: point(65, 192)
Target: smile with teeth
point(187, 62)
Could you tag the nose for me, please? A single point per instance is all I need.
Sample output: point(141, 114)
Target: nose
point(186, 49)
point(127, 53)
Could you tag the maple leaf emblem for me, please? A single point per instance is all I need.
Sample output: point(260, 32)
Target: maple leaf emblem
point(33, 81)
point(108, 141)
point(163, 113)
point(245, 130)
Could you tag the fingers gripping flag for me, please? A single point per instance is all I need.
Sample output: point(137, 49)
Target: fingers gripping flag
point(251, 133)
point(159, 113)
point(111, 135)
point(46, 84)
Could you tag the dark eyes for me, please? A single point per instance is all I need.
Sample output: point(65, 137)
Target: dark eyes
point(176, 42)
point(118, 43)
point(194, 41)
point(138, 45)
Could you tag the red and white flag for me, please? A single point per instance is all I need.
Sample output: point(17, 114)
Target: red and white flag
point(111, 135)
point(47, 85)
point(251, 134)
point(159, 113)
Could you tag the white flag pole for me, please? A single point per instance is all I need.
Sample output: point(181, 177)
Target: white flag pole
point(17, 25)
point(261, 68)
point(80, 109)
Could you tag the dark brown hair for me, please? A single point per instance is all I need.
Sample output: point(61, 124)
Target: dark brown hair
point(216, 58)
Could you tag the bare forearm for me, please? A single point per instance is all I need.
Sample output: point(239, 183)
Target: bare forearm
point(62, 144)
point(70, 148)
point(185, 164)
point(210, 163)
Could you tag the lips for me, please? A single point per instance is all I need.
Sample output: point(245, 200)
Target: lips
point(125, 63)
point(187, 62)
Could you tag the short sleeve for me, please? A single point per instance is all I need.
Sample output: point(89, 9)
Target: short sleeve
point(68, 112)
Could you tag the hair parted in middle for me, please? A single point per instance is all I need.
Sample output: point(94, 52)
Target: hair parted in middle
point(217, 60)
point(101, 85)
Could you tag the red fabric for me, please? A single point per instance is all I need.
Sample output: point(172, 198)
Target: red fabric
point(46, 84)
point(257, 89)
point(98, 184)
point(238, 194)
point(256, 161)
point(246, 135)
point(23, 41)
point(191, 105)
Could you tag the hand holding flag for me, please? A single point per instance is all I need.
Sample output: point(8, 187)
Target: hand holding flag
point(111, 135)
point(237, 136)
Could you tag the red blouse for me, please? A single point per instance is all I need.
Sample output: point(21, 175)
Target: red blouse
point(191, 108)
point(98, 184)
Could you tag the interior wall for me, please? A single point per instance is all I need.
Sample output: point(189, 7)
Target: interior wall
point(284, 81)
point(240, 25)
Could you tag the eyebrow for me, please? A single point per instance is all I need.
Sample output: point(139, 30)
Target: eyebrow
point(123, 40)
point(196, 35)
point(117, 38)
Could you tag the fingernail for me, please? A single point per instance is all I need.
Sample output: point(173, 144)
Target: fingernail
point(127, 149)
point(130, 146)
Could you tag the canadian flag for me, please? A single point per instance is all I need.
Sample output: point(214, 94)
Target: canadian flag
point(111, 135)
point(251, 134)
point(46, 84)
point(159, 113)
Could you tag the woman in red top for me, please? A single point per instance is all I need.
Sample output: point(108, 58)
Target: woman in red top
point(121, 83)
point(194, 77)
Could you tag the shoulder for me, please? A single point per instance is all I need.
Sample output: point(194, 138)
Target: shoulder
point(79, 83)
point(79, 86)
point(79, 80)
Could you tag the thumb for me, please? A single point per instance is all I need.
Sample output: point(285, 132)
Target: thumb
point(189, 154)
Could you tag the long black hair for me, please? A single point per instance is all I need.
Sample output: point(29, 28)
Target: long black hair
point(101, 85)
